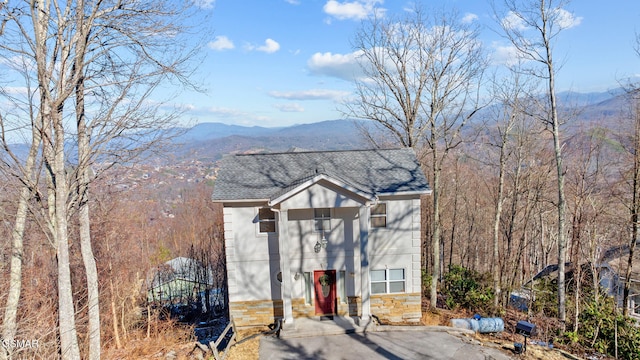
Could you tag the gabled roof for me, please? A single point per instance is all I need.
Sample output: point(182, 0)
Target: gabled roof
point(369, 173)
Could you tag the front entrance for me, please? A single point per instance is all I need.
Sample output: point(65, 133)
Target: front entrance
point(325, 288)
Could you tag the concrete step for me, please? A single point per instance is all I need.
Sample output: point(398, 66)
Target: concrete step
point(309, 327)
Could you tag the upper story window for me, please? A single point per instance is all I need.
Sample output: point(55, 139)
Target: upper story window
point(379, 216)
point(267, 220)
point(322, 219)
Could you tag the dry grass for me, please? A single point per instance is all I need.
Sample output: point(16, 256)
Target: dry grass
point(166, 336)
point(247, 347)
point(534, 352)
point(170, 337)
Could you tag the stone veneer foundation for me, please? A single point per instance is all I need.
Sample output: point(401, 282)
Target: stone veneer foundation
point(255, 313)
point(397, 308)
point(392, 308)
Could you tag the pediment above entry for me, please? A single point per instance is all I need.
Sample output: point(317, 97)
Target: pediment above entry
point(321, 191)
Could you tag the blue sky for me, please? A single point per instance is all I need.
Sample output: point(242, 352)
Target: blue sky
point(284, 62)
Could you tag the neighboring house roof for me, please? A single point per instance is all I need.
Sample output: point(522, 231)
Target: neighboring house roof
point(620, 263)
point(366, 172)
point(181, 268)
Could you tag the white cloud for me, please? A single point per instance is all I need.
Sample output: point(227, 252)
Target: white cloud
point(270, 46)
point(289, 107)
point(561, 17)
point(352, 10)
point(513, 21)
point(567, 20)
point(204, 4)
point(336, 65)
point(18, 63)
point(221, 43)
point(226, 112)
point(468, 18)
point(313, 94)
point(293, 2)
point(504, 55)
point(16, 90)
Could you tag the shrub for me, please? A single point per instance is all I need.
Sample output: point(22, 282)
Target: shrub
point(468, 289)
point(426, 280)
point(546, 297)
point(598, 323)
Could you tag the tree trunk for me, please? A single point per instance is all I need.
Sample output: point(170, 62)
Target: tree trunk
point(92, 282)
point(635, 207)
point(83, 180)
point(435, 239)
point(562, 237)
point(114, 314)
point(9, 324)
point(66, 311)
point(495, 265)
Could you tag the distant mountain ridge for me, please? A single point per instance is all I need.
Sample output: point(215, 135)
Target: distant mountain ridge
point(209, 141)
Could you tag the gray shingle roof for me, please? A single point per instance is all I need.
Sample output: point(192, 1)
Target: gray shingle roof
point(266, 176)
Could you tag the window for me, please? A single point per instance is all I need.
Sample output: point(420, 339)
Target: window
point(387, 281)
point(342, 291)
point(322, 219)
point(267, 220)
point(307, 288)
point(635, 305)
point(379, 216)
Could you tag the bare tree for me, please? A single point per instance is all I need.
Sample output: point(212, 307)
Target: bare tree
point(629, 140)
point(510, 94)
point(588, 161)
point(532, 27)
point(24, 169)
point(633, 97)
point(421, 77)
point(108, 57)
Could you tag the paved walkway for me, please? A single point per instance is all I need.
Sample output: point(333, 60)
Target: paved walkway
point(359, 343)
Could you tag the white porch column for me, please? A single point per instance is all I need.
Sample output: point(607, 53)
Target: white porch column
point(364, 215)
point(285, 267)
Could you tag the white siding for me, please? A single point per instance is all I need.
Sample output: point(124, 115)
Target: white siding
point(398, 245)
point(253, 258)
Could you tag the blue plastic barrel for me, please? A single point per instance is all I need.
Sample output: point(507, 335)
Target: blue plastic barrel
point(483, 326)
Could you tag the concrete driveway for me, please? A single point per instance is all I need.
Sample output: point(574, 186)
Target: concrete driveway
point(394, 345)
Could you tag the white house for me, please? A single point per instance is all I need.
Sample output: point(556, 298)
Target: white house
point(321, 234)
point(613, 268)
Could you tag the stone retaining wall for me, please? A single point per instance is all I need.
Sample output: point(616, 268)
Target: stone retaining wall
point(397, 308)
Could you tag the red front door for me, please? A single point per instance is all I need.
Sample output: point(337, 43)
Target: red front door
point(325, 289)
